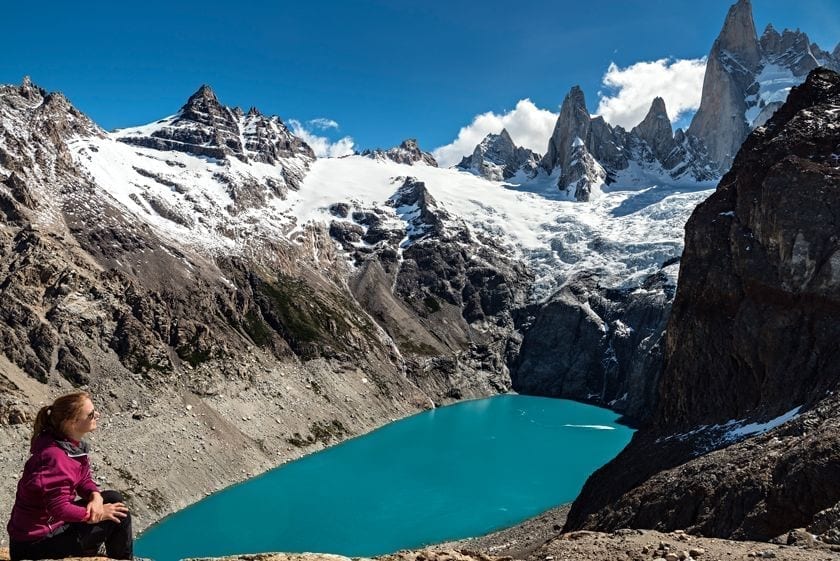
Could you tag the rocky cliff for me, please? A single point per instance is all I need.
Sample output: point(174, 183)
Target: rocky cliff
point(596, 344)
point(750, 369)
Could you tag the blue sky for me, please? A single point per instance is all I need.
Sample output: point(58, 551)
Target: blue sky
point(383, 70)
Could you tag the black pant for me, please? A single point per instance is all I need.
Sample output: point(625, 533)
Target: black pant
point(80, 539)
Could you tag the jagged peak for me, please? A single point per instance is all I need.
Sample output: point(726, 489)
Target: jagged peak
point(254, 112)
point(29, 90)
point(657, 107)
point(493, 139)
point(770, 31)
point(795, 33)
point(575, 99)
point(656, 117)
point(204, 94)
point(407, 152)
point(205, 127)
point(738, 35)
point(655, 129)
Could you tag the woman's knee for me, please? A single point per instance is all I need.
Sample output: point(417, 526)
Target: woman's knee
point(111, 496)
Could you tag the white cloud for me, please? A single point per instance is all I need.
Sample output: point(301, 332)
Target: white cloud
point(321, 145)
point(527, 124)
point(323, 123)
point(631, 90)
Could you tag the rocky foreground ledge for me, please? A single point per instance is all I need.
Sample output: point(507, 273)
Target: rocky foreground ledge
point(622, 545)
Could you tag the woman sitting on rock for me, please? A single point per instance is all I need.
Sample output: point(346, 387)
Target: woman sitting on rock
point(59, 511)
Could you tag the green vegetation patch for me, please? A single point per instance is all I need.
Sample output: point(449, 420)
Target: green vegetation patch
point(193, 352)
point(431, 303)
point(310, 321)
point(256, 328)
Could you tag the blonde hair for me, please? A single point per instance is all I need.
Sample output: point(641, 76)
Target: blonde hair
point(50, 417)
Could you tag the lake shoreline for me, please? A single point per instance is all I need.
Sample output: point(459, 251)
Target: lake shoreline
point(517, 541)
point(428, 461)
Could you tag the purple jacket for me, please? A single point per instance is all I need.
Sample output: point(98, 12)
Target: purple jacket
point(55, 473)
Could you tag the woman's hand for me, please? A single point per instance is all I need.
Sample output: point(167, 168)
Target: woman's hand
point(94, 508)
point(112, 511)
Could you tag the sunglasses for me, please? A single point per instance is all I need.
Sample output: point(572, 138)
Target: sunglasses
point(94, 414)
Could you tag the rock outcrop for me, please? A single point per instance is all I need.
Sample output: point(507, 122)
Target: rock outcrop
point(750, 346)
point(408, 152)
point(497, 158)
point(596, 344)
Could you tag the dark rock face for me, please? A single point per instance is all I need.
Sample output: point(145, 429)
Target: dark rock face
point(763, 252)
point(597, 345)
point(408, 152)
point(497, 158)
point(752, 336)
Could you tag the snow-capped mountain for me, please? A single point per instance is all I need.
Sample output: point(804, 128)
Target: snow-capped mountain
point(748, 78)
point(408, 152)
point(590, 156)
point(745, 76)
point(214, 193)
point(497, 158)
point(209, 175)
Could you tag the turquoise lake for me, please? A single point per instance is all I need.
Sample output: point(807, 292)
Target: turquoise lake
point(449, 473)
